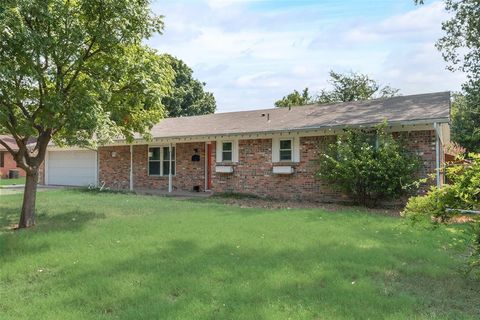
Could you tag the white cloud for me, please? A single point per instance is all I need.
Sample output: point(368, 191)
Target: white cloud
point(250, 58)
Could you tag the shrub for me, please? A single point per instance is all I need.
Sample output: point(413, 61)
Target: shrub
point(462, 193)
point(369, 165)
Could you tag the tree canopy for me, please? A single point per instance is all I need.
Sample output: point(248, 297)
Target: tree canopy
point(295, 99)
point(460, 48)
point(188, 97)
point(78, 73)
point(345, 87)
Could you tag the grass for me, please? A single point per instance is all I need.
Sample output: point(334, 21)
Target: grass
point(117, 256)
point(4, 182)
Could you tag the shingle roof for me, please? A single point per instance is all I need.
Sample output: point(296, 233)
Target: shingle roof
point(10, 141)
point(427, 108)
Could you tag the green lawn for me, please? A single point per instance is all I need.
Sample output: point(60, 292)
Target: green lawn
point(113, 256)
point(4, 182)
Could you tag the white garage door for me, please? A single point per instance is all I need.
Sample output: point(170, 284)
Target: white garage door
point(72, 168)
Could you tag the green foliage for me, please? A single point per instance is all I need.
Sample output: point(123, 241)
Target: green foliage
point(345, 87)
point(462, 193)
point(354, 87)
point(435, 203)
point(188, 97)
point(466, 120)
point(76, 71)
point(369, 165)
point(295, 99)
point(460, 47)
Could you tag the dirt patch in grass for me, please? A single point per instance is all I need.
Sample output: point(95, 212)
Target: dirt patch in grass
point(266, 203)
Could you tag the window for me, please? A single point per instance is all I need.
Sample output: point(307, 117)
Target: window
point(2, 159)
point(159, 161)
point(227, 151)
point(372, 140)
point(286, 150)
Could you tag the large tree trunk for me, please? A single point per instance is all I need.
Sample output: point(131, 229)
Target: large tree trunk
point(27, 218)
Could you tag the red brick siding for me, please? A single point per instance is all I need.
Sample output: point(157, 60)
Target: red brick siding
point(8, 164)
point(252, 174)
point(188, 173)
point(423, 144)
point(114, 172)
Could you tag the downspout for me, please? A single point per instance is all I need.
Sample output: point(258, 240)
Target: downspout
point(437, 153)
point(170, 168)
point(131, 167)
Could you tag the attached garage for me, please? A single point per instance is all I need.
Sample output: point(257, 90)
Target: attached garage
point(71, 168)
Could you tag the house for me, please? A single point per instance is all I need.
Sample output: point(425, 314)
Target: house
point(271, 152)
point(7, 163)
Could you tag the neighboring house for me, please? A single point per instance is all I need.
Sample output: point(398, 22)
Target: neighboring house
point(7, 162)
point(272, 152)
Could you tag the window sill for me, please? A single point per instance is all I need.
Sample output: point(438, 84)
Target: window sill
point(226, 163)
point(160, 177)
point(286, 163)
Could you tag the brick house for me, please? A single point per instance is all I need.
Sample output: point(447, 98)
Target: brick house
point(7, 162)
point(270, 152)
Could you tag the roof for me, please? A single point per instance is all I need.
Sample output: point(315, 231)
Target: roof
point(423, 108)
point(10, 141)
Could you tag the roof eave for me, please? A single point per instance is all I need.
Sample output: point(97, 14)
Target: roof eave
point(304, 129)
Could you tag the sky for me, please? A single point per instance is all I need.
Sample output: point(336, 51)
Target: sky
point(251, 53)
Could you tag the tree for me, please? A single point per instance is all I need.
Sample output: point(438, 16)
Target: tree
point(466, 120)
point(460, 47)
point(188, 97)
point(346, 87)
point(295, 99)
point(76, 72)
point(368, 165)
point(354, 87)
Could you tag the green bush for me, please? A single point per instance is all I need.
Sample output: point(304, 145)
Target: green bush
point(462, 194)
point(435, 202)
point(369, 166)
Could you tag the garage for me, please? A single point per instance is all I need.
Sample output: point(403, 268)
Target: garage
point(71, 168)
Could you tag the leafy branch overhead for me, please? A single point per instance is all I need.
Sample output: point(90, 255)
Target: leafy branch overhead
point(460, 48)
point(78, 73)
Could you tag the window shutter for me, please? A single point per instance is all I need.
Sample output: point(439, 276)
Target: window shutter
point(275, 149)
point(296, 149)
point(218, 153)
point(235, 151)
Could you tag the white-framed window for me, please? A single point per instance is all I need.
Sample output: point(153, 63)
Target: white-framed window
point(227, 151)
point(159, 161)
point(286, 150)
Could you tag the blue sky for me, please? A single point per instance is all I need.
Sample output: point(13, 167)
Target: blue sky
point(252, 52)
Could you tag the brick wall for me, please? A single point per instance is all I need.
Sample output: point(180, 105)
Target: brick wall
point(188, 173)
point(8, 164)
point(252, 174)
point(115, 172)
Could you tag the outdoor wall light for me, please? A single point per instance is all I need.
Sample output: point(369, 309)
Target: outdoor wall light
point(114, 154)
